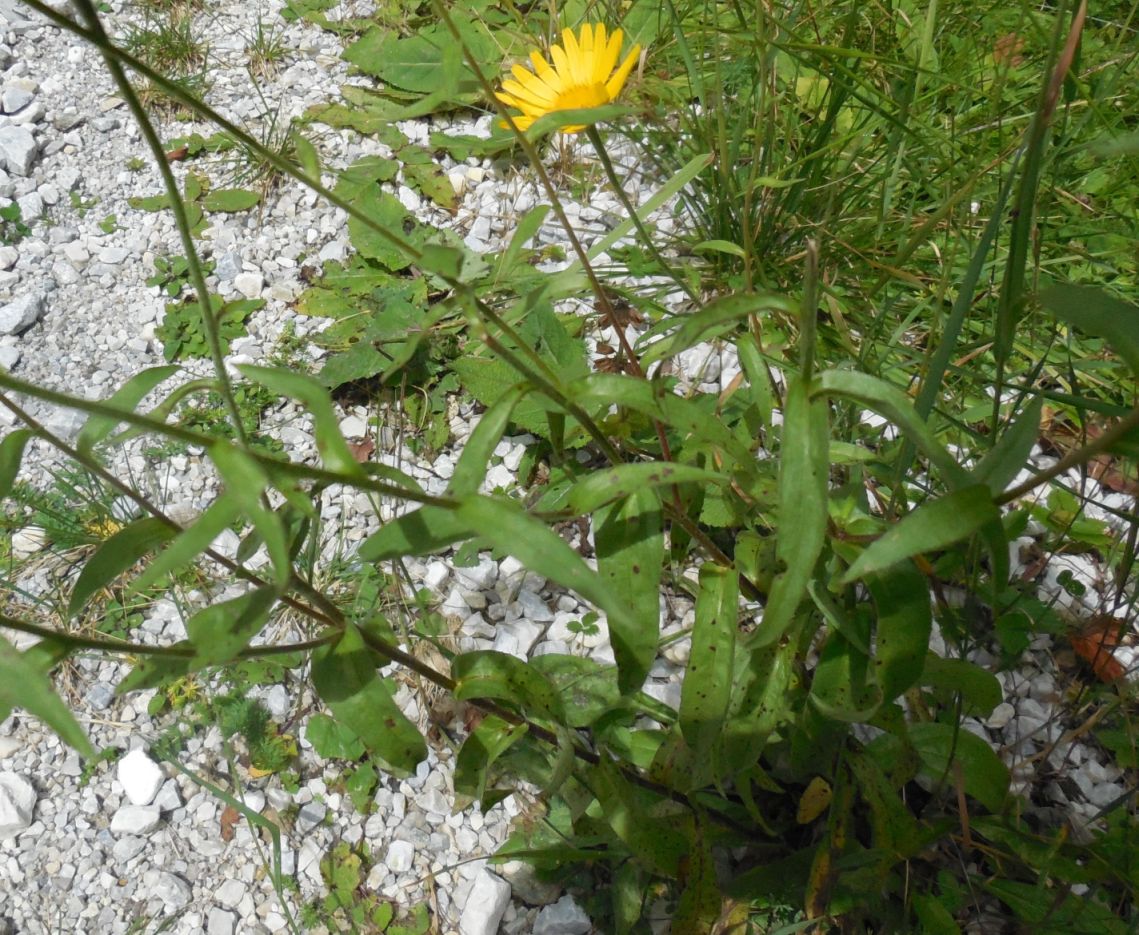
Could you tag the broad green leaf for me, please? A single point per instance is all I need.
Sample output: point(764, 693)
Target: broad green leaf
point(1098, 313)
point(507, 527)
point(115, 556)
point(23, 685)
point(707, 689)
point(346, 678)
point(715, 318)
point(893, 825)
point(390, 249)
point(416, 62)
point(629, 540)
point(587, 690)
point(698, 908)
point(763, 690)
point(840, 688)
point(933, 917)
point(333, 740)
point(985, 777)
point(11, 454)
point(221, 631)
point(490, 674)
point(934, 525)
point(190, 543)
point(126, 397)
point(1009, 455)
point(578, 116)
point(330, 443)
point(901, 596)
point(229, 200)
point(486, 743)
point(307, 155)
point(895, 405)
point(471, 468)
point(420, 532)
point(980, 690)
point(804, 475)
point(245, 480)
point(153, 671)
point(600, 487)
point(657, 841)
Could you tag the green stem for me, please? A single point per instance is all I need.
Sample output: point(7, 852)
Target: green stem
point(634, 215)
point(113, 645)
point(181, 221)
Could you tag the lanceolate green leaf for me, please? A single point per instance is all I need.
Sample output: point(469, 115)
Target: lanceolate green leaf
point(190, 543)
point(115, 556)
point(524, 231)
point(471, 468)
point(230, 199)
point(11, 453)
point(329, 442)
point(901, 596)
point(1100, 314)
point(507, 527)
point(707, 689)
point(934, 525)
point(985, 777)
point(245, 481)
point(22, 684)
point(420, 532)
point(630, 550)
point(492, 674)
point(804, 472)
point(593, 490)
point(486, 743)
point(347, 680)
point(221, 631)
point(895, 405)
point(1009, 455)
point(127, 397)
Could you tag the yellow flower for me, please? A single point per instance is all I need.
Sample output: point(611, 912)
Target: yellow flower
point(581, 76)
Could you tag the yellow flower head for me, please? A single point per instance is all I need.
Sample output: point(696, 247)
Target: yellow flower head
point(581, 76)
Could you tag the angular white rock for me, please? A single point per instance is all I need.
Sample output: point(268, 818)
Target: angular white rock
point(136, 819)
point(220, 922)
point(17, 804)
point(140, 777)
point(21, 313)
point(28, 541)
point(18, 149)
point(400, 856)
point(172, 890)
point(565, 917)
point(249, 284)
point(485, 905)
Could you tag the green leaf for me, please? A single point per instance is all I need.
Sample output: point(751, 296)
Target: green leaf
point(307, 155)
point(470, 469)
point(804, 474)
point(221, 631)
point(486, 743)
point(153, 671)
point(333, 740)
point(525, 229)
point(1009, 455)
point(901, 596)
point(24, 685)
point(893, 825)
point(895, 405)
point(127, 397)
point(510, 529)
point(985, 777)
point(229, 200)
point(245, 481)
point(190, 543)
point(417, 62)
point(840, 688)
point(657, 842)
point(330, 443)
point(980, 690)
point(385, 210)
point(707, 689)
point(629, 539)
point(713, 320)
point(488, 673)
point(698, 908)
point(115, 556)
point(763, 700)
point(1098, 313)
point(420, 532)
point(933, 917)
point(934, 525)
point(11, 454)
point(588, 691)
point(593, 490)
point(347, 680)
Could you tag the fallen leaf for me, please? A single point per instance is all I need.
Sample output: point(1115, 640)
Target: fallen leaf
point(230, 816)
point(1094, 644)
point(362, 450)
point(177, 155)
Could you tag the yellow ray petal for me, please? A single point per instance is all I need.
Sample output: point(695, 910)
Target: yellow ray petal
point(543, 70)
point(621, 75)
point(532, 83)
point(585, 42)
point(561, 63)
point(520, 93)
point(578, 74)
point(607, 57)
